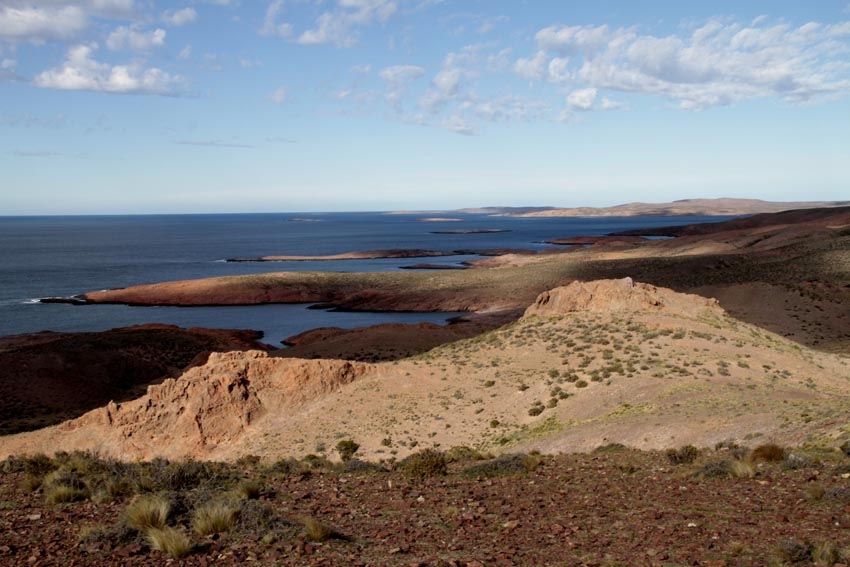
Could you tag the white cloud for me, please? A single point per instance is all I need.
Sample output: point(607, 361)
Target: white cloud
point(130, 37)
point(81, 71)
point(181, 17)
point(397, 79)
point(186, 52)
point(337, 26)
point(36, 24)
point(270, 27)
point(718, 63)
point(532, 68)
point(278, 96)
point(582, 99)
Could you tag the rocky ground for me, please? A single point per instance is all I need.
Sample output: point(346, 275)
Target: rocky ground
point(611, 507)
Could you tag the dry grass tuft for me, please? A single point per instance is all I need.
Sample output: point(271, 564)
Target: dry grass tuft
point(214, 517)
point(769, 453)
point(171, 541)
point(316, 531)
point(424, 464)
point(147, 513)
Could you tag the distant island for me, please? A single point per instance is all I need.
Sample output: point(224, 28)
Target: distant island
point(695, 207)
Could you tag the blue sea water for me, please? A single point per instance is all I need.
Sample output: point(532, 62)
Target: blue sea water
point(64, 256)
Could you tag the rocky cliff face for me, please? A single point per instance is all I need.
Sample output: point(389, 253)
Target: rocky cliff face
point(618, 295)
point(208, 407)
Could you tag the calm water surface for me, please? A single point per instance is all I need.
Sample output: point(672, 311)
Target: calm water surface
point(64, 256)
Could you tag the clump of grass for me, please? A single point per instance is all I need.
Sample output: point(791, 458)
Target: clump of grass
point(792, 551)
point(768, 453)
point(683, 455)
point(64, 486)
point(316, 531)
point(214, 517)
point(728, 468)
point(171, 541)
point(147, 513)
point(424, 464)
point(248, 490)
point(62, 493)
point(825, 553)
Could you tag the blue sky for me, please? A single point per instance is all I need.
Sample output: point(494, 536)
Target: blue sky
point(139, 106)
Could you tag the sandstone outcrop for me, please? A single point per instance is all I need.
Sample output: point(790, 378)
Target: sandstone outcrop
point(617, 295)
point(207, 408)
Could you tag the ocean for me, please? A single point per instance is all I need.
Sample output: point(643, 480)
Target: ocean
point(61, 256)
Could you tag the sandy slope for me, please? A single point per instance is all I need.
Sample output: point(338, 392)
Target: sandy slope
point(586, 365)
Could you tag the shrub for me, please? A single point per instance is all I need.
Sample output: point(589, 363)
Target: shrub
point(726, 468)
point(610, 448)
point(683, 455)
point(171, 541)
point(505, 464)
point(64, 486)
point(346, 449)
point(463, 453)
point(581, 384)
point(147, 512)
point(424, 464)
point(214, 517)
point(769, 453)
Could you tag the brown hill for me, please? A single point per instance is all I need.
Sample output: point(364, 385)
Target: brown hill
point(700, 207)
point(588, 364)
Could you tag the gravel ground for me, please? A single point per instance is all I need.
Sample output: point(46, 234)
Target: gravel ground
point(608, 508)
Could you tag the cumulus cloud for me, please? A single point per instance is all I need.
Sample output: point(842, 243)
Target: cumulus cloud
point(180, 17)
point(337, 26)
point(37, 22)
point(130, 37)
point(718, 63)
point(532, 68)
point(81, 71)
point(582, 99)
point(28, 23)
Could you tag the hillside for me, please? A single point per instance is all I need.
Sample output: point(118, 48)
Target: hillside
point(588, 364)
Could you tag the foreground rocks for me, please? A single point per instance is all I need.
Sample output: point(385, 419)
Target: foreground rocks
point(613, 506)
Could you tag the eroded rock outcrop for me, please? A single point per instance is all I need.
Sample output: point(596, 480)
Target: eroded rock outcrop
point(618, 295)
point(208, 406)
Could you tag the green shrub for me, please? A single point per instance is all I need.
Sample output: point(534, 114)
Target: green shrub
point(683, 455)
point(503, 465)
point(346, 449)
point(424, 464)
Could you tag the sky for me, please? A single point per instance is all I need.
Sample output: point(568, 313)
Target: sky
point(197, 106)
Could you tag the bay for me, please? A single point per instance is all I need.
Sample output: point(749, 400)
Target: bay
point(60, 256)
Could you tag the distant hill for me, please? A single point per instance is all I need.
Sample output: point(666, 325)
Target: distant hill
point(696, 207)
